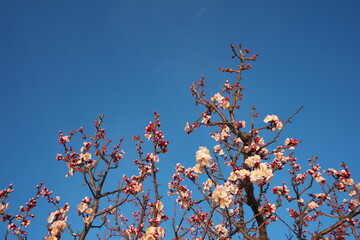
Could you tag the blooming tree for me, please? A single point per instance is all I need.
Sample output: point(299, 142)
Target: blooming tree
point(228, 192)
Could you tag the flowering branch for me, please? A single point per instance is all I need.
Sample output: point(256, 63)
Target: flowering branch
point(228, 192)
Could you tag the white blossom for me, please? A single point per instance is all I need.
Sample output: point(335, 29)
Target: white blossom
point(313, 205)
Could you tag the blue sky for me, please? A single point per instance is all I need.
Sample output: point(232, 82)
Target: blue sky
point(64, 63)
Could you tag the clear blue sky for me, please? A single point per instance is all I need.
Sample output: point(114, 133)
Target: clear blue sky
point(62, 63)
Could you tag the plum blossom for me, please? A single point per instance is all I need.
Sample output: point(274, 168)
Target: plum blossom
point(86, 146)
point(64, 139)
point(280, 156)
point(241, 124)
point(233, 176)
point(274, 122)
point(291, 143)
point(203, 155)
point(313, 205)
point(239, 175)
point(218, 149)
point(267, 209)
point(225, 132)
point(198, 168)
point(217, 97)
point(216, 136)
point(318, 177)
point(57, 219)
point(160, 207)
point(206, 119)
point(222, 195)
point(233, 188)
point(187, 127)
point(190, 128)
point(203, 159)
point(348, 181)
point(84, 206)
point(61, 213)
point(153, 233)
point(243, 173)
point(261, 175)
point(136, 186)
point(57, 228)
point(257, 176)
point(148, 136)
point(221, 229)
point(221, 100)
point(238, 141)
point(225, 104)
point(85, 156)
point(91, 164)
point(322, 196)
point(252, 161)
point(271, 118)
point(3, 207)
point(208, 184)
point(88, 219)
point(281, 190)
point(152, 157)
point(256, 145)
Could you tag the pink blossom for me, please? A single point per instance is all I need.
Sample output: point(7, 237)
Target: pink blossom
point(291, 143)
point(281, 190)
point(267, 209)
point(241, 124)
point(64, 139)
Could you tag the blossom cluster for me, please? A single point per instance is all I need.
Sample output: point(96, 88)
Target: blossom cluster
point(223, 102)
point(203, 159)
point(78, 161)
point(225, 195)
point(58, 223)
point(85, 209)
point(17, 222)
point(153, 233)
point(274, 122)
point(249, 160)
point(156, 136)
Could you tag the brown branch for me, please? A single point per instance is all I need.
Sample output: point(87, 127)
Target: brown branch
point(320, 235)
